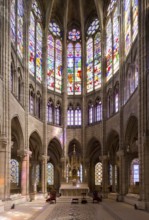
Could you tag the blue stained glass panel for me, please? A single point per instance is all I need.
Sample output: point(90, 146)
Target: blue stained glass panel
point(32, 45)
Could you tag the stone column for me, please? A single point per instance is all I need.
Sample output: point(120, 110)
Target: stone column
point(5, 124)
point(105, 176)
point(64, 94)
point(121, 183)
point(44, 160)
point(24, 154)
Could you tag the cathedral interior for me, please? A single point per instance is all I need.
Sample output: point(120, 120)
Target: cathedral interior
point(74, 99)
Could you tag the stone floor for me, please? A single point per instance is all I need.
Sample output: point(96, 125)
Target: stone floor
point(65, 210)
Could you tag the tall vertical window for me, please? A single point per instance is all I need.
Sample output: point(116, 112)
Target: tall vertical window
point(98, 110)
point(74, 63)
point(131, 23)
point(57, 114)
point(54, 59)
point(93, 52)
point(78, 116)
point(116, 98)
point(14, 171)
point(91, 113)
point(50, 174)
point(112, 40)
point(50, 111)
point(70, 115)
point(135, 171)
point(35, 43)
point(98, 174)
point(31, 100)
point(16, 24)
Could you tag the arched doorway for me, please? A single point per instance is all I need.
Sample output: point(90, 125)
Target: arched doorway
point(35, 163)
point(94, 154)
point(54, 164)
point(131, 156)
point(17, 144)
point(112, 148)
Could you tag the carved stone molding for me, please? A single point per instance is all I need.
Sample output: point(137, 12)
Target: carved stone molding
point(3, 142)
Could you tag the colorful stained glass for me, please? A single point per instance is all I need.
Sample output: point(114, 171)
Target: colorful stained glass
point(13, 21)
point(36, 10)
point(70, 68)
point(127, 14)
point(54, 29)
point(109, 50)
point(38, 52)
point(32, 45)
point(14, 171)
point(78, 69)
point(74, 35)
point(58, 66)
point(20, 15)
point(135, 19)
point(93, 27)
point(50, 63)
point(97, 61)
point(115, 41)
point(111, 6)
point(90, 65)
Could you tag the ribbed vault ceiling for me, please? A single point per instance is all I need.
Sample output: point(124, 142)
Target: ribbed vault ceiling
point(76, 12)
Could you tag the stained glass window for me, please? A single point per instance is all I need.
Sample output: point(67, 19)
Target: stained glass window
point(14, 171)
point(57, 114)
point(50, 174)
point(115, 41)
point(91, 113)
point(135, 171)
point(90, 65)
point(35, 43)
point(112, 40)
point(93, 27)
point(50, 61)
point(135, 19)
point(110, 174)
point(16, 23)
point(37, 174)
point(58, 66)
point(74, 68)
point(70, 68)
point(74, 35)
point(78, 116)
point(50, 111)
point(97, 61)
point(109, 49)
point(13, 20)
point(127, 14)
point(93, 60)
point(98, 112)
point(98, 174)
point(54, 59)
point(70, 116)
point(32, 44)
point(55, 29)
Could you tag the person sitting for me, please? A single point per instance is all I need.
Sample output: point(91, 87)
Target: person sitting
point(51, 197)
point(97, 197)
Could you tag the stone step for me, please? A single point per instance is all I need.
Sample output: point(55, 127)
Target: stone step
point(68, 199)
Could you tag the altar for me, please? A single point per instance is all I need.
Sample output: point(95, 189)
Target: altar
point(68, 189)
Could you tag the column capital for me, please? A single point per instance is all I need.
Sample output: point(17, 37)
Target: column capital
point(24, 153)
point(44, 158)
point(120, 153)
